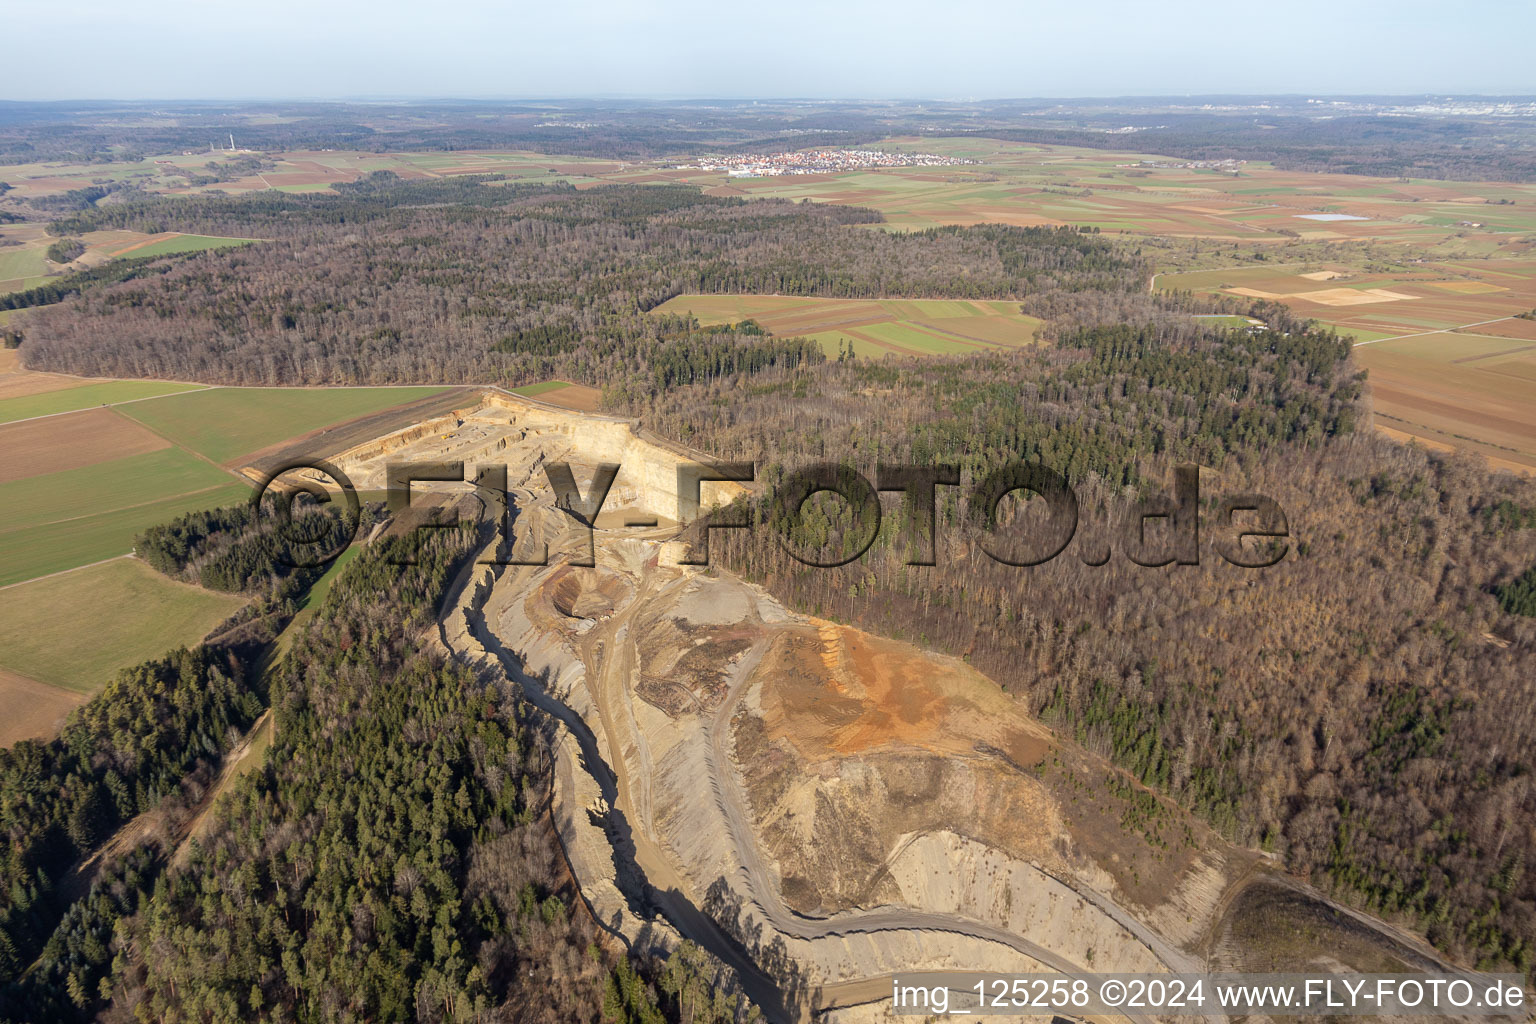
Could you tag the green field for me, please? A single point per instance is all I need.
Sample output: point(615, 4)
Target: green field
point(315, 598)
point(540, 388)
point(21, 261)
point(1226, 321)
point(225, 423)
point(104, 487)
point(317, 593)
point(908, 337)
point(85, 396)
point(832, 342)
point(188, 243)
point(23, 284)
point(77, 630)
point(32, 551)
point(63, 520)
point(873, 328)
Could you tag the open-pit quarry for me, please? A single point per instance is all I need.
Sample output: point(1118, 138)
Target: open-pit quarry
point(817, 807)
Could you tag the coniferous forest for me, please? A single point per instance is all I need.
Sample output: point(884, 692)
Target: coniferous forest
point(390, 858)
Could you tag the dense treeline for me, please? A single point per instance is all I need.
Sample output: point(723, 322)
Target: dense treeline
point(71, 978)
point(55, 291)
point(157, 728)
point(384, 197)
point(119, 754)
point(1363, 708)
point(65, 250)
point(1097, 403)
point(552, 283)
point(239, 548)
point(391, 859)
point(1519, 597)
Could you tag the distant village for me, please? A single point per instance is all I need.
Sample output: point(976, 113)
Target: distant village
point(818, 161)
point(1191, 165)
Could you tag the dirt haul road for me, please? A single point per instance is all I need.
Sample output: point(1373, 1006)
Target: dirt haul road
point(644, 871)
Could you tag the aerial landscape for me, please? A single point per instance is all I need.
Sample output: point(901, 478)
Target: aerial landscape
point(607, 540)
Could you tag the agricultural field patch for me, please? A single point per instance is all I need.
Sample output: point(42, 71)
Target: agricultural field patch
point(1216, 320)
point(23, 251)
point(30, 181)
point(577, 397)
point(77, 487)
point(1469, 287)
point(1427, 296)
point(1466, 391)
point(57, 443)
point(872, 327)
point(33, 710)
point(832, 342)
point(542, 388)
point(16, 382)
point(223, 424)
point(912, 338)
point(183, 243)
point(104, 487)
point(67, 543)
point(1144, 194)
point(75, 631)
point(20, 263)
point(1450, 363)
point(306, 171)
point(87, 395)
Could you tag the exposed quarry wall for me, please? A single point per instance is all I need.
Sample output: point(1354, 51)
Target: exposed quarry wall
point(576, 793)
point(484, 433)
point(648, 465)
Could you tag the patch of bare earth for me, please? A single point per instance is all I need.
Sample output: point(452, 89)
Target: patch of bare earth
point(15, 383)
point(34, 447)
point(576, 397)
point(32, 710)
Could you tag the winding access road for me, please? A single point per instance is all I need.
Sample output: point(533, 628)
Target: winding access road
point(646, 867)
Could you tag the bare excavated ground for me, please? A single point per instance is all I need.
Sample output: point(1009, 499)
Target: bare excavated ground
point(842, 804)
point(919, 743)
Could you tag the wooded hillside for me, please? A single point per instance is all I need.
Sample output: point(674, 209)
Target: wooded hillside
point(511, 285)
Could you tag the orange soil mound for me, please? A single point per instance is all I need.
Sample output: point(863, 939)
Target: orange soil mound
point(836, 691)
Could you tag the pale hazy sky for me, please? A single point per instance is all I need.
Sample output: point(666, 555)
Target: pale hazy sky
point(197, 49)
